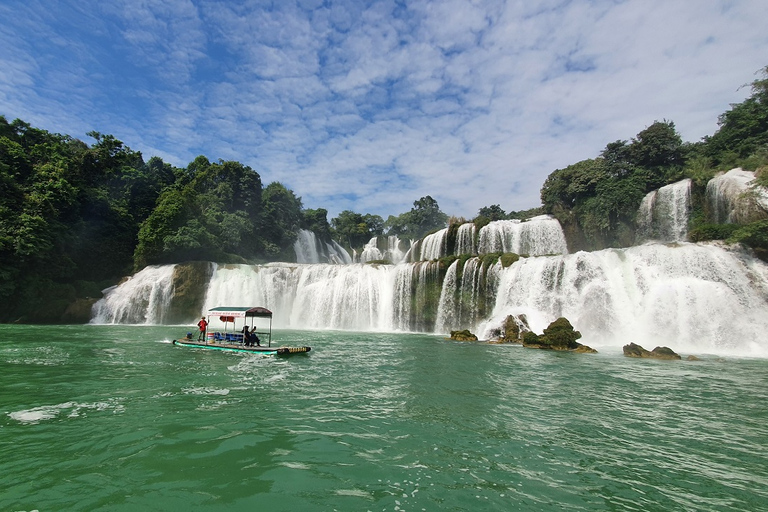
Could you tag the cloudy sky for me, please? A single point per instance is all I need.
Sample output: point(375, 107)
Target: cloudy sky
point(370, 105)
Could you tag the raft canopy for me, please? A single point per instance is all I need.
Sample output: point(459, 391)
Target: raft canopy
point(240, 312)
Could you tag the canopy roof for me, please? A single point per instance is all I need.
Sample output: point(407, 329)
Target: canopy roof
point(240, 311)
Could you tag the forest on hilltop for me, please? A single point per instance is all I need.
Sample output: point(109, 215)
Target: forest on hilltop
point(76, 218)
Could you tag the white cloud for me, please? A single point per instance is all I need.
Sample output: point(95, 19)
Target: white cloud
point(473, 103)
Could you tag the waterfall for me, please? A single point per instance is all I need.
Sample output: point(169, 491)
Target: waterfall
point(694, 298)
point(535, 237)
point(433, 246)
point(310, 249)
point(465, 239)
point(732, 197)
point(393, 253)
point(663, 213)
point(467, 298)
point(141, 299)
point(698, 298)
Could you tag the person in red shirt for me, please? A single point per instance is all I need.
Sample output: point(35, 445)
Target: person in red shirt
point(203, 326)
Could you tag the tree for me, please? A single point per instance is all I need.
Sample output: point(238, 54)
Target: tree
point(493, 212)
point(280, 220)
point(426, 216)
point(353, 229)
point(744, 128)
point(658, 150)
point(317, 222)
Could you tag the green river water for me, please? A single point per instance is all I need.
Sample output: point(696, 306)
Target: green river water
point(116, 418)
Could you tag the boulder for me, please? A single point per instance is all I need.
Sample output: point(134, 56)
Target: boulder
point(515, 326)
point(634, 350)
point(463, 335)
point(560, 335)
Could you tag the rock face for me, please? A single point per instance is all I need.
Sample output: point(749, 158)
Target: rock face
point(463, 335)
point(634, 350)
point(78, 312)
point(190, 281)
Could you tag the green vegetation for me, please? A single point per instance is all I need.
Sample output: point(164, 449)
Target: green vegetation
point(596, 200)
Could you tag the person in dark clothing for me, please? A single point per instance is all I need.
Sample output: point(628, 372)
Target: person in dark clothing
point(247, 337)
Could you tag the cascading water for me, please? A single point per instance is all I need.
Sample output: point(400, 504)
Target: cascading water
point(467, 298)
point(309, 249)
point(663, 213)
point(733, 197)
point(691, 297)
point(535, 237)
point(465, 239)
point(694, 297)
point(393, 253)
point(141, 299)
point(431, 247)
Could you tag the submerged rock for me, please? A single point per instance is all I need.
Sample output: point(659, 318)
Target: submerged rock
point(634, 350)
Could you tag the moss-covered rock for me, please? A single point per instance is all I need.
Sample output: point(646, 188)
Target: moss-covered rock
point(561, 335)
point(515, 326)
point(463, 335)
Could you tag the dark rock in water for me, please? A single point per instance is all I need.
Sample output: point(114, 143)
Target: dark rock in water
point(664, 353)
point(560, 335)
point(190, 282)
point(692, 358)
point(515, 326)
point(463, 335)
point(634, 350)
point(78, 312)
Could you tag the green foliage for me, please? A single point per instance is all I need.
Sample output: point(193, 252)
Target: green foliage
point(280, 220)
point(355, 229)
point(508, 258)
point(425, 217)
point(493, 212)
point(525, 214)
point(744, 128)
point(602, 195)
point(317, 221)
point(530, 338)
point(706, 232)
point(699, 169)
point(754, 235)
point(560, 334)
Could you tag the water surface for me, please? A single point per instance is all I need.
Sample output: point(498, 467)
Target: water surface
point(116, 418)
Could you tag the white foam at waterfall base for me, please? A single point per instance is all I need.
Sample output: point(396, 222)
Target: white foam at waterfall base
point(692, 298)
point(141, 299)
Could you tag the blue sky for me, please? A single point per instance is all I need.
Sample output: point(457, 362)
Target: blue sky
point(370, 105)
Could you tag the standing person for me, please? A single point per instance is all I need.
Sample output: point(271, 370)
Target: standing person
point(203, 326)
point(246, 337)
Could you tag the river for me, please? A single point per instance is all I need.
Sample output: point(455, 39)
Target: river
point(116, 418)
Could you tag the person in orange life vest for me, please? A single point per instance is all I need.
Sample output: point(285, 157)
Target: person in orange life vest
point(203, 325)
